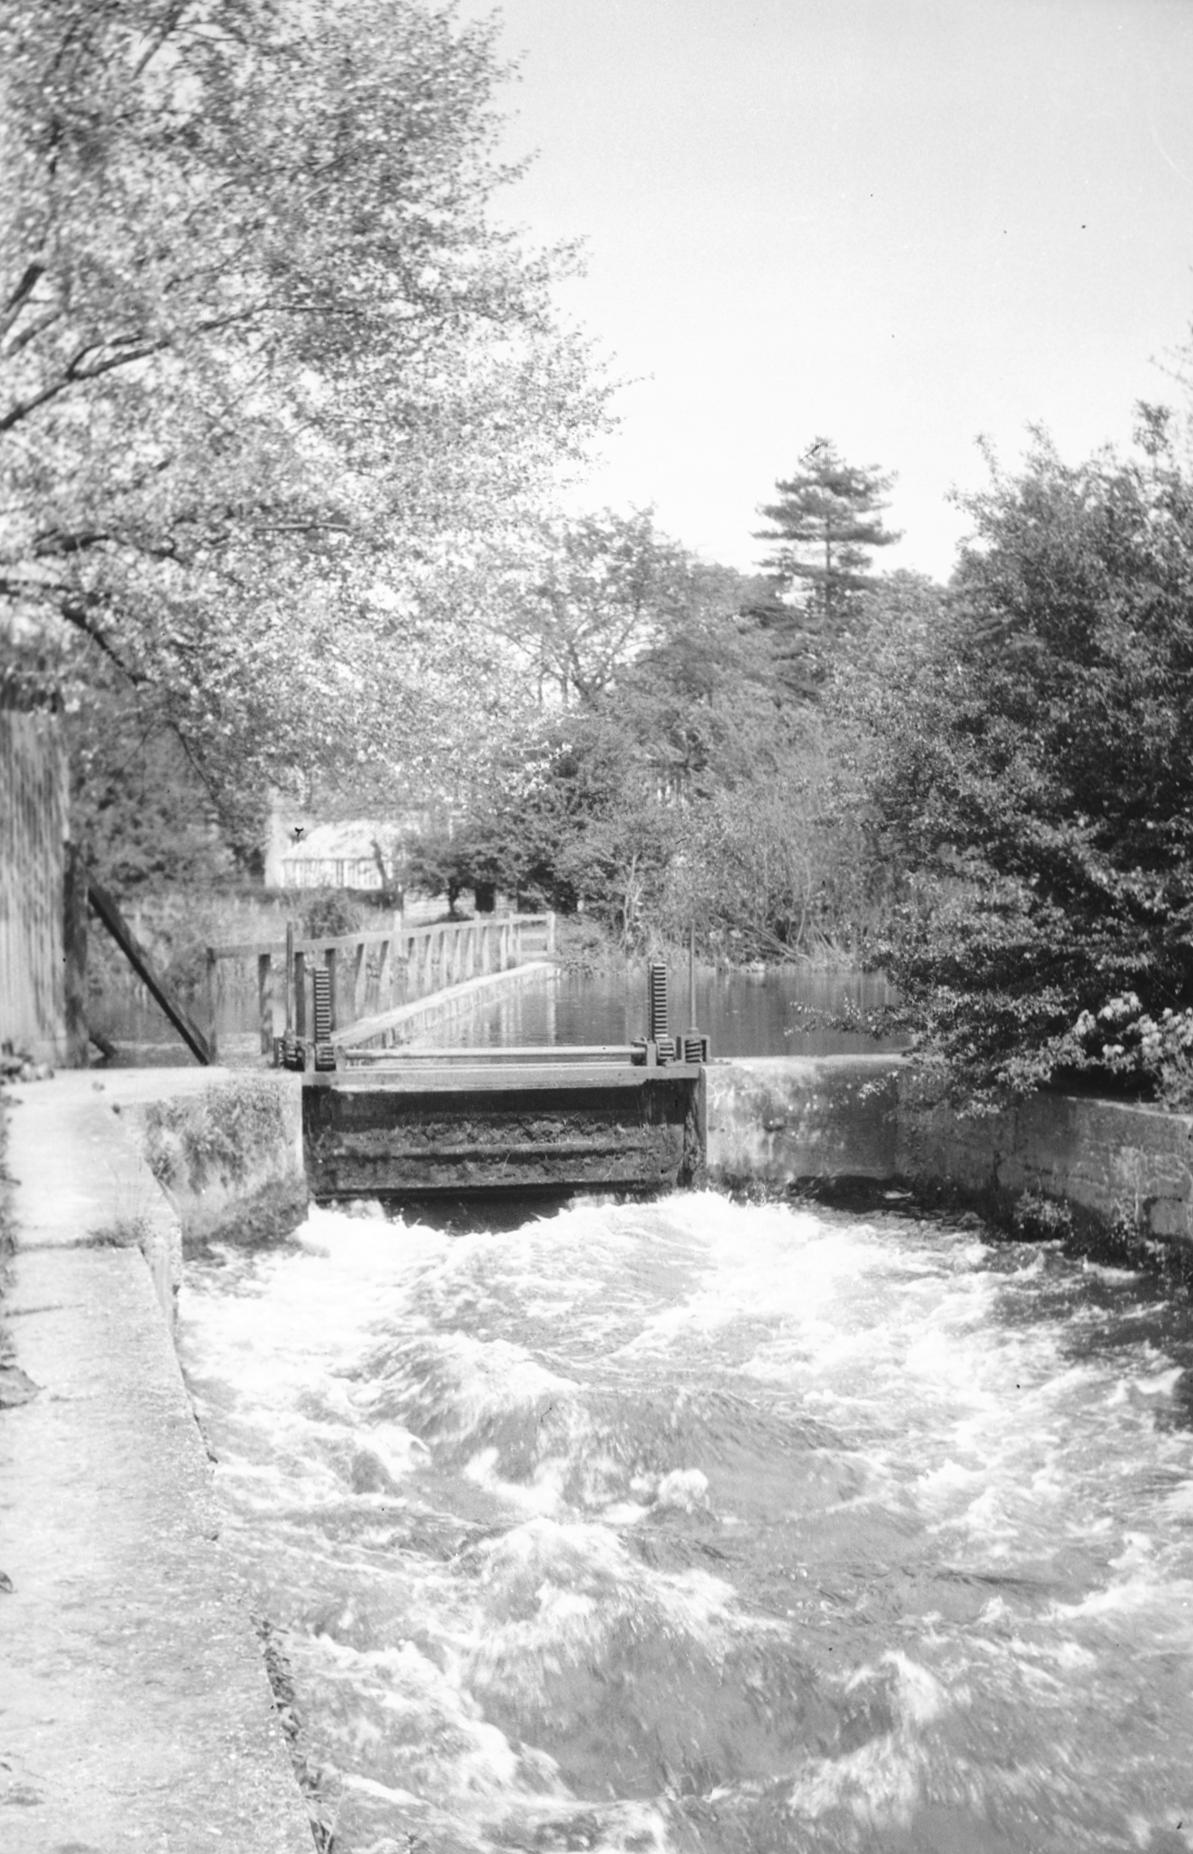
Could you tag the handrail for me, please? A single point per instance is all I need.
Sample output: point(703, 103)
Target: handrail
point(375, 971)
point(372, 936)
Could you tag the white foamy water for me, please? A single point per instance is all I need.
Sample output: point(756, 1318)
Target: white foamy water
point(695, 1526)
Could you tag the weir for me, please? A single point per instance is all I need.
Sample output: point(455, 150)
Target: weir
point(423, 1129)
point(396, 1123)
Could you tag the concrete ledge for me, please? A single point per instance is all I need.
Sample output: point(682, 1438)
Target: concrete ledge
point(135, 1710)
point(782, 1119)
point(1107, 1167)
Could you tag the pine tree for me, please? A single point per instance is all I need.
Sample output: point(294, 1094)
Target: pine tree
point(826, 523)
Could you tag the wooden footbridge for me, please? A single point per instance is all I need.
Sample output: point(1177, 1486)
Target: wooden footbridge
point(368, 981)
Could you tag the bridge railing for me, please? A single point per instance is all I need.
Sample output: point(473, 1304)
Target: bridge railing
point(370, 972)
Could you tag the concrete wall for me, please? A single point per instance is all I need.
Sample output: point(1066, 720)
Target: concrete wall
point(777, 1120)
point(1109, 1165)
point(1113, 1165)
point(229, 1154)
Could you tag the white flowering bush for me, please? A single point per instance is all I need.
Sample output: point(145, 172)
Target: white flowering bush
point(1124, 1039)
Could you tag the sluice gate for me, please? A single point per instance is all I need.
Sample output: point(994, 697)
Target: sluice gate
point(404, 1123)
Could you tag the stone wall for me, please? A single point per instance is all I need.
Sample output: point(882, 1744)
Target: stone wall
point(1110, 1166)
point(1113, 1165)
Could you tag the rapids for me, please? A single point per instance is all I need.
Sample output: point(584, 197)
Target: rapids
point(706, 1527)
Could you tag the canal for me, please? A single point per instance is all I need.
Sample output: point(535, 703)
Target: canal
point(713, 1527)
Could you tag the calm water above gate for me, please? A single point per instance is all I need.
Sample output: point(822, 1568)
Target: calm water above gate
point(747, 1013)
point(710, 1528)
point(764, 1013)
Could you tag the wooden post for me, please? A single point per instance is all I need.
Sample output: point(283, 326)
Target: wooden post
point(265, 989)
point(289, 978)
point(74, 947)
point(300, 994)
point(211, 991)
point(385, 976)
point(551, 935)
point(359, 979)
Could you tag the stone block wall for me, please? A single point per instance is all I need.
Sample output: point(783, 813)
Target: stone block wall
point(1115, 1165)
point(1110, 1165)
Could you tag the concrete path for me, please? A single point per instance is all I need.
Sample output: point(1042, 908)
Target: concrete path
point(135, 1711)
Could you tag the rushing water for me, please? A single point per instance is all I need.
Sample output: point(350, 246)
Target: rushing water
point(709, 1527)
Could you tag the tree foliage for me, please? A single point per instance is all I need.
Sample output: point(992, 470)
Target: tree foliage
point(682, 791)
point(1034, 775)
point(272, 381)
point(598, 591)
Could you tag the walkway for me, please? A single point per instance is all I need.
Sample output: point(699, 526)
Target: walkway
point(135, 1712)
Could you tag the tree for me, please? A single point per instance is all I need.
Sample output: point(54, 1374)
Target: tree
point(826, 524)
point(1034, 777)
point(683, 792)
point(272, 383)
point(602, 589)
point(702, 706)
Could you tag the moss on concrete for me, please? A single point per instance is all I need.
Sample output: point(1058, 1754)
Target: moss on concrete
point(216, 1137)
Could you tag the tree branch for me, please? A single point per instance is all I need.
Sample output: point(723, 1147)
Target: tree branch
point(21, 294)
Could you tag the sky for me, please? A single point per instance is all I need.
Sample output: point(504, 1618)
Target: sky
point(905, 225)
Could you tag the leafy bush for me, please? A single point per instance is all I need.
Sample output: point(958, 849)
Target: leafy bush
point(329, 912)
point(1033, 775)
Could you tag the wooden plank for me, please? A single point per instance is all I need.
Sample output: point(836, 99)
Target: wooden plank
point(503, 1078)
point(108, 912)
point(252, 949)
point(496, 1052)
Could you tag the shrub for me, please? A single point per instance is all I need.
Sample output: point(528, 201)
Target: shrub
point(1034, 777)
